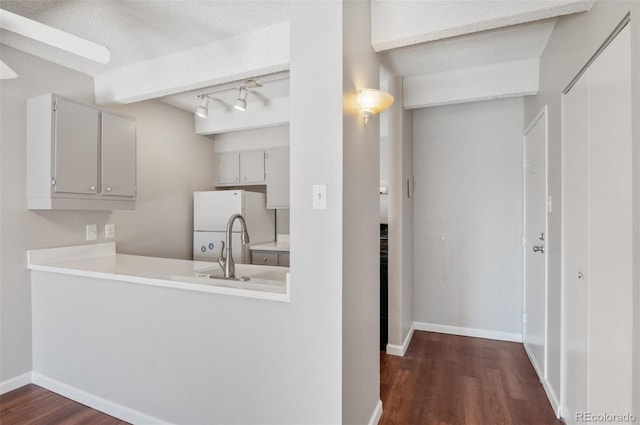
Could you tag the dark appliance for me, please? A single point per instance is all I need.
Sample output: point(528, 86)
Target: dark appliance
point(384, 286)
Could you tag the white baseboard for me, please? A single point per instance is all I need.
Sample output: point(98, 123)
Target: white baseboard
point(377, 414)
point(457, 330)
point(400, 350)
point(551, 395)
point(553, 399)
point(534, 363)
point(15, 383)
point(110, 408)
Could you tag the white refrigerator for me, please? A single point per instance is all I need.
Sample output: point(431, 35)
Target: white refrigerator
point(211, 212)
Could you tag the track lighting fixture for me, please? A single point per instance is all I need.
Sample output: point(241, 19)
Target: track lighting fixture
point(241, 101)
point(203, 109)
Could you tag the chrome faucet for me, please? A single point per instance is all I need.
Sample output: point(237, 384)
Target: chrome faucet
point(226, 255)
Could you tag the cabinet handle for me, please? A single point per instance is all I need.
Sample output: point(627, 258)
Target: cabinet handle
point(244, 179)
point(235, 180)
point(108, 189)
point(92, 188)
point(264, 259)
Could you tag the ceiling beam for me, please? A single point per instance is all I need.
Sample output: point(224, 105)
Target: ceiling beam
point(258, 52)
point(517, 78)
point(404, 23)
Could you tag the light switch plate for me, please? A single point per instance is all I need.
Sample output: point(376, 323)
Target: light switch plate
point(109, 231)
point(91, 231)
point(319, 196)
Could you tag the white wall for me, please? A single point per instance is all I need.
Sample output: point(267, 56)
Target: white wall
point(582, 34)
point(260, 138)
point(173, 162)
point(23, 229)
point(400, 218)
point(468, 216)
point(316, 158)
point(360, 223)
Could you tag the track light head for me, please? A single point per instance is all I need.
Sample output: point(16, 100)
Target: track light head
point(203, 109)
point(241, 101)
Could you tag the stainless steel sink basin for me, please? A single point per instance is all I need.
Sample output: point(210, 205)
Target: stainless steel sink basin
point(248, 276)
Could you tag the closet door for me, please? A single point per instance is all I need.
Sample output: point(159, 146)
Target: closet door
point(610, 228)
point(597, 236)
point(575, 158)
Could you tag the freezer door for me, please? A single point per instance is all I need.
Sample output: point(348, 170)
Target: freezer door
point(212, 209)
point(207, 246)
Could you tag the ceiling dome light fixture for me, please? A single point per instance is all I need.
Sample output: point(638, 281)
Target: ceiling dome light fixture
point(203, 109)
point(241, 101)
point(372, 102)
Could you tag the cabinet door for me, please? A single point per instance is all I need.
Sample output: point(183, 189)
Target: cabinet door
point(252, 167)
point(76, 148)
point(277, 170)
point(229, 168)
point(118, 156)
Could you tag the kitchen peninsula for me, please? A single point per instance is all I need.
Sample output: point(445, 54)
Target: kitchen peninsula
point(125, 335)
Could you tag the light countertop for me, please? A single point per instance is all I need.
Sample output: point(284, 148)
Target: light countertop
point(271, 246)
point(101, 261)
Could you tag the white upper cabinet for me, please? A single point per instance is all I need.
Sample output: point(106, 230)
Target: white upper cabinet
point(79, 157)
point(257, 167)
point(76, 148)
point(118, 155)
point(240, 168)
point(252, 167)
point(228, 169)
point(277, 171)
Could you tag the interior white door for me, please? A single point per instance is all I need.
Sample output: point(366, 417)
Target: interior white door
point(535, 243)
point(575, 160)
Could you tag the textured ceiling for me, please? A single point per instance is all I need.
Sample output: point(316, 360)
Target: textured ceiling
point(163, 47)
point(138, 30)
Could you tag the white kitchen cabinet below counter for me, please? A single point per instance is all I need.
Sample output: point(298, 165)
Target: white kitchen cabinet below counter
point(271, 254)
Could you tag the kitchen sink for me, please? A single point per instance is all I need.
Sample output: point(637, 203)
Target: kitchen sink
point(248, 276)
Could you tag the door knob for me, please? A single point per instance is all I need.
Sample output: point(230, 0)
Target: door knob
point(539, 249)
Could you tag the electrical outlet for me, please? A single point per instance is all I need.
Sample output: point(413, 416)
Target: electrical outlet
point(92, 232)
point(109, 231)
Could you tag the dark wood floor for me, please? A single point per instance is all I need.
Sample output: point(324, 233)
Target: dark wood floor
point(455, 380)
point(442, 380)
point(33, 405)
